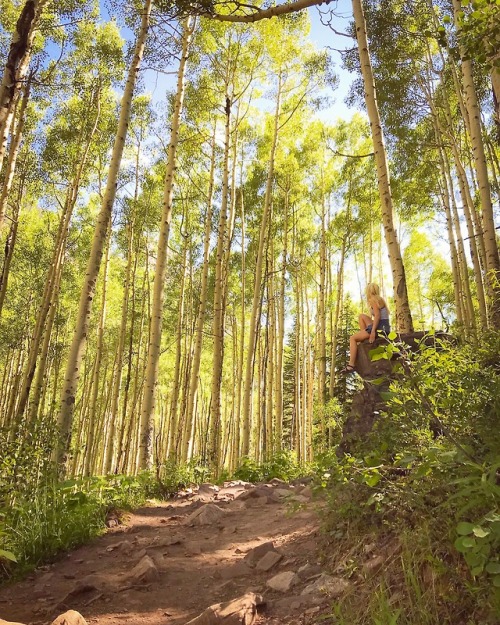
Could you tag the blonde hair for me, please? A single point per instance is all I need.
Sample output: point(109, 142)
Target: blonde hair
point(373, 293)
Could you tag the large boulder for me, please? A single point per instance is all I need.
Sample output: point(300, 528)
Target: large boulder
point(367, 404)
point(370, 369)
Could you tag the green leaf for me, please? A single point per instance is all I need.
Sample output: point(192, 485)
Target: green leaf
point(496, 581)
point(493, 568)
point(464, 543)
point(372, 480)
point(480, 532)
point(7, 555)
point(388, 395)
point(379, 381)
point(464, 528)
point(392, 335)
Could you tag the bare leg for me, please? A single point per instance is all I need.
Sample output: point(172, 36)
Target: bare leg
point(364, 321)
point(362, 335)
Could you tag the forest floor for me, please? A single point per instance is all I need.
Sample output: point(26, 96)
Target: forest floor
point(167, 562)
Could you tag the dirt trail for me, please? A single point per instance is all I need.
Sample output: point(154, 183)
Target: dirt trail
point(184, 567)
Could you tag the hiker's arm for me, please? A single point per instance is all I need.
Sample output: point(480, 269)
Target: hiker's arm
point(376, 319)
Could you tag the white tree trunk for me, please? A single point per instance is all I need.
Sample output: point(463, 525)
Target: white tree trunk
point(68, 396)
point(403, 314)
point(145, 458)
point(481, 167)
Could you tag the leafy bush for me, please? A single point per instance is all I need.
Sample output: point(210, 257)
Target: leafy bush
point(430, 469)
point(61, 516)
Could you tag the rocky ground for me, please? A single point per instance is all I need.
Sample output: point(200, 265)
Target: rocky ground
point(253, 546)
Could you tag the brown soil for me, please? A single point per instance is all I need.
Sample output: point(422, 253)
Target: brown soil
point(203, 568)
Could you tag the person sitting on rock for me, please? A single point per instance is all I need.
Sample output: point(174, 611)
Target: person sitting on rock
point(369, 325)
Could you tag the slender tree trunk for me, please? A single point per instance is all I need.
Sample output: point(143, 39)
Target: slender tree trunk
point(176, 390)
point(281, 329)
point(322, 312)
point(96, 373)
point(200, 319)
point(117, 377)
point(16, 67)
point(218, 323)
point(252, 332)
point(488, 221)
point(10, 244)
point(15, 144)
point(403, 313)
point(68, 396)
point(148, 404)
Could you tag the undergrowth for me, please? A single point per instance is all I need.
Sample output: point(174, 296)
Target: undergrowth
point(419, 498)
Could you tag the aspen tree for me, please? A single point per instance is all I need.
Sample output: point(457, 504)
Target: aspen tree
point(200, 318)
point(403, 313)
point(43, 325)
point(68, 395)
point(488, 221)
point(15, 144)
point(218, 321)
point(145, 456)
point(263, 234)
point(16, 68)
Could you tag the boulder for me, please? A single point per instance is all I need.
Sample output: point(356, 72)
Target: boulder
point(257, 553)
point(2, 622)
point(365, 410)
point(71, 617)
point(206, 515)
point(144, 572)
point(370, 369)
point(267, 562)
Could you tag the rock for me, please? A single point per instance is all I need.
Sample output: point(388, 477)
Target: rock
point(236, 504)
point(327, 585)
point(206, 515)
point(300, 499)
point(71, 617)
point(294, 603)
point(241, 611)
point(302, 481)
point(208, 489)
point(309, 570)
point(257, 553)
point(373, 566)
point(2, 622)
point(267, 562)
point(144, 572)
point(277, 482)
point(86, 590)
point(237, 484)
point(283, 493)
point(306, 492)
point(283, 581)
point(365, 410)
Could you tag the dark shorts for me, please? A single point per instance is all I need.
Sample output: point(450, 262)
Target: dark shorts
point(384, 327)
